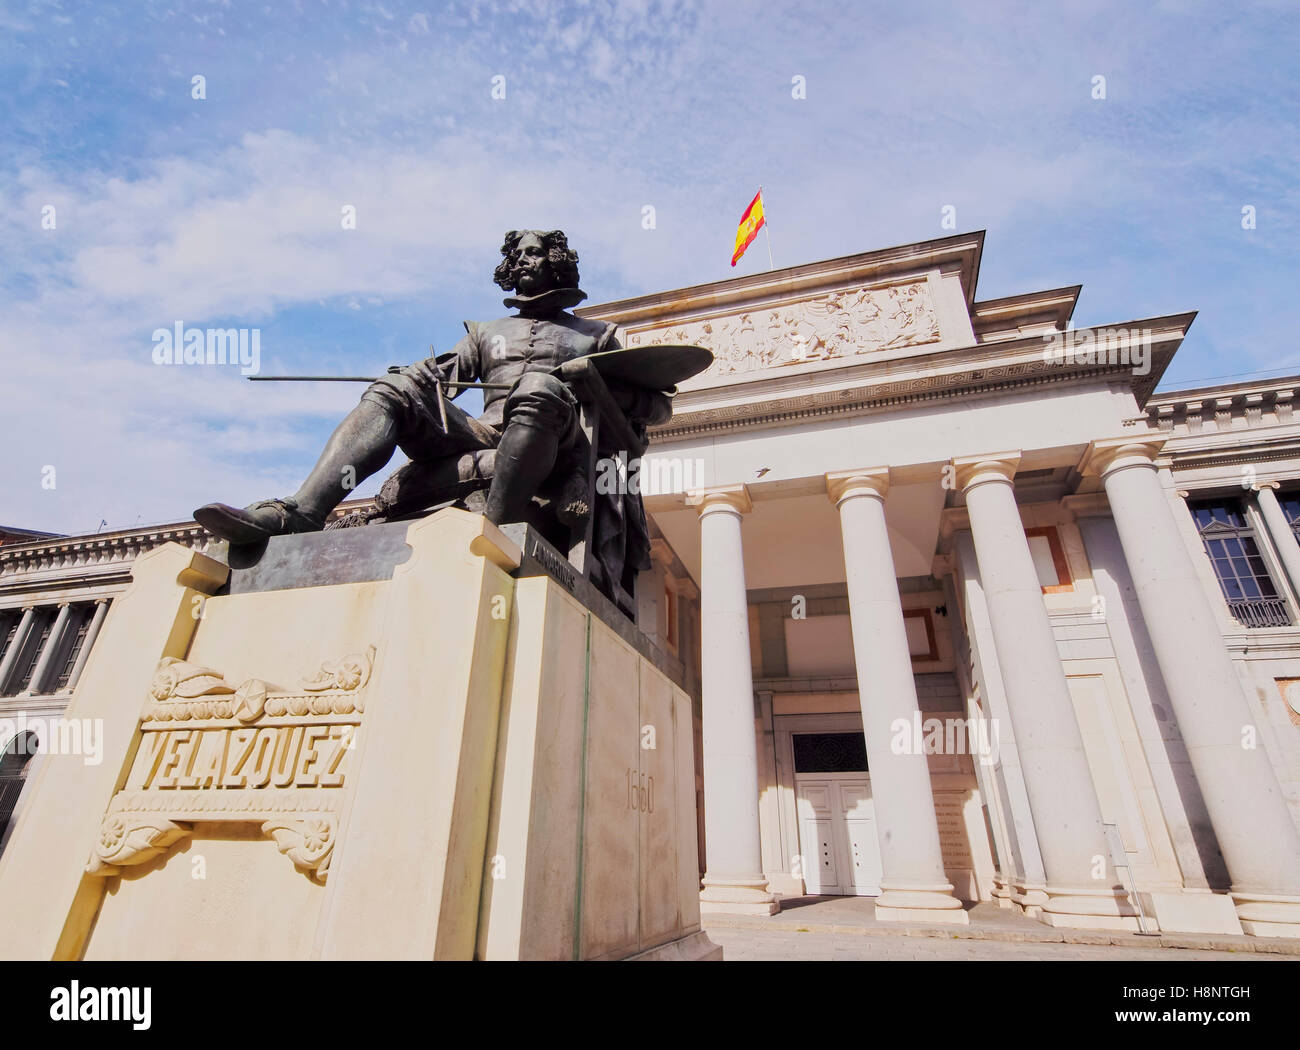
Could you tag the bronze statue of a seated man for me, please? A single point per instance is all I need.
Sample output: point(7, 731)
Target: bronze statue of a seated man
point(531, 420)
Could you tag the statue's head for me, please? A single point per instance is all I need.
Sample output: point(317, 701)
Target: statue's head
point(535, 261)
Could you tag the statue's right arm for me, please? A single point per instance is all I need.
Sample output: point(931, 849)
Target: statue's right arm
point(461, 362)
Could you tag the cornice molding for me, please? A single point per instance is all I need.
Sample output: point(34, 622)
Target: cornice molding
point(961, 250)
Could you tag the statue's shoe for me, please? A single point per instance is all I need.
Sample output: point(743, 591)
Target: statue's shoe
point(256, 522)
point(571, 506)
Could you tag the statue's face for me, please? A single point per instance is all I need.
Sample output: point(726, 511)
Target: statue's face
point(533, 273)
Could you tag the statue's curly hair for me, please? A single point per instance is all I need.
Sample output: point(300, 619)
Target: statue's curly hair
point(563, 259)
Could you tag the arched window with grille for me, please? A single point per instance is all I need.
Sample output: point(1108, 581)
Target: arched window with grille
point(15, 761)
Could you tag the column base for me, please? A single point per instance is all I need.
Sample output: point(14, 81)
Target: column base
point(1029, 897)
point(1190, 912)
point(1083, 909)
point(737, 895)
point(924, 903)
point(1268, 914)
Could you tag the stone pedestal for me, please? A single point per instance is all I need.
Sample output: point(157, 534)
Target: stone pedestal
point(299, 758)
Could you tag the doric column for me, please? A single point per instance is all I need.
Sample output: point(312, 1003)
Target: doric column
point(913, 885)
point(42, 667)
point(92, 632)
point(1279, 530)
point(16, 646)
point(733, 880)
point(1062, 799)
point(1260, 844)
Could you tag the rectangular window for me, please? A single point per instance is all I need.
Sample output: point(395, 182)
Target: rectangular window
point(670, 619)
point(1243, 576)
point(37, 638)
point(921, 642)
point(78, 628)
point(1049, 559)
point(9, 621)
point(1290, 502)
point(829, 752)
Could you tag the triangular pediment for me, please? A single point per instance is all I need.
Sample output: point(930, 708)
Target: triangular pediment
point(1218, 529)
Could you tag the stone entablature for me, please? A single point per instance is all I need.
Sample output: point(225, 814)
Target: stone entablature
point(97, 561)
point(861, 385)
point(1231, 407)
point(1016, 315)
point(881, 329)
point(1232, 434)
point(35, 560)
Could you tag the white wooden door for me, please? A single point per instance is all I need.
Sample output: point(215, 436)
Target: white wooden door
point(822, 868)
point(861, 844)
point(837, 835)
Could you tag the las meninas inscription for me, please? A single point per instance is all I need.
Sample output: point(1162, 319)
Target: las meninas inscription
point(840, 324)
point(212, 752)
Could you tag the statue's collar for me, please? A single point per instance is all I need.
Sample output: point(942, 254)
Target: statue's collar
point(546, 303)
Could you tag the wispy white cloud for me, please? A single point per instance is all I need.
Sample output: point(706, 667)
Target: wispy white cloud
point(227, 210)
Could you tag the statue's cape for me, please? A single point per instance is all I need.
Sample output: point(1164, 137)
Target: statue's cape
point(555, 300)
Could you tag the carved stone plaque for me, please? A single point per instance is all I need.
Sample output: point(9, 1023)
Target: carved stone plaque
point(839, 324)
point(212, 752)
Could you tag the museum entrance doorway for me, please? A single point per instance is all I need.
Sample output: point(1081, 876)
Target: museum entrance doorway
point(837, 827)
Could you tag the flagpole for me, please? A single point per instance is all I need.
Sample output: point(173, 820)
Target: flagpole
point(767, 230)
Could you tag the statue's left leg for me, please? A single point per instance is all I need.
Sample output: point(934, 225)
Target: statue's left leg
point(524, 459)
point(541, 417)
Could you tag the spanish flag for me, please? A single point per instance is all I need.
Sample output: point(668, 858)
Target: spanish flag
point(749, 226)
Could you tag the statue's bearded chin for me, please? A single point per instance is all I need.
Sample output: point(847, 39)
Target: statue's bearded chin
point(534, 282)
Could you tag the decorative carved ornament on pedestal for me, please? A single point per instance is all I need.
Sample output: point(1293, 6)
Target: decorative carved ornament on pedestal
point(837, 325)
point(212, 752)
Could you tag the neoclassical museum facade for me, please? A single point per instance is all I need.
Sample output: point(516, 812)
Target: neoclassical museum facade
point(967, 610)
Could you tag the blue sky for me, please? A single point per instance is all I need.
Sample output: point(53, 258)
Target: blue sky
point(226, 210)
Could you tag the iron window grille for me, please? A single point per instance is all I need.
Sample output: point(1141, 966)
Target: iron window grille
point(1247, 586)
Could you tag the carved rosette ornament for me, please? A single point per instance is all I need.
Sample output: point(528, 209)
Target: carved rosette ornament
point(213, 752)
point(129, 839)
point(308, 843)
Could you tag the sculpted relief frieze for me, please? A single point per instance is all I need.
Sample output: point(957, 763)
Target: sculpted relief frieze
point(841, 324)
point(211, 751)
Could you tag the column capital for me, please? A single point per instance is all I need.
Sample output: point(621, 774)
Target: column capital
point(848, 484)
point(1108, 454)
point(1266, 485)
point(721, 497)
point(991, 466)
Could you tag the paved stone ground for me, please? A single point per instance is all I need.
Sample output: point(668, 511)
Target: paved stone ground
point(830, 928)
point(740, 944)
